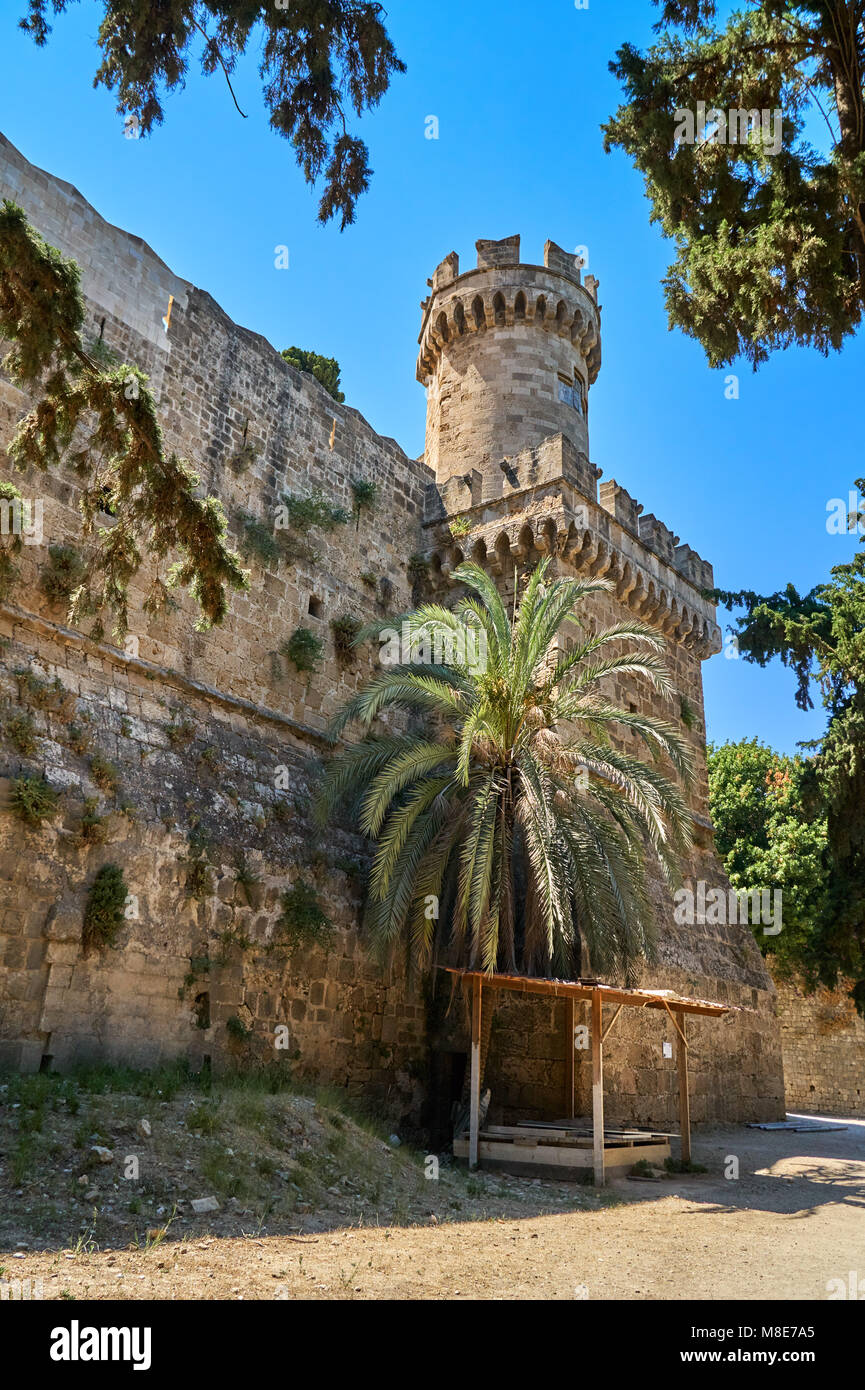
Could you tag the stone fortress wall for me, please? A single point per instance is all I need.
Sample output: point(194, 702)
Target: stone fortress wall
point(823, 1042)
point(216, 739)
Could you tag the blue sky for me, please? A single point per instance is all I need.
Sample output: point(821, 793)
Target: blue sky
point(520, 92)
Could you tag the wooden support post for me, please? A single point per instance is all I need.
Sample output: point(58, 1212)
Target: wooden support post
point(570, 1051)
point(684, 1101)
point(597, 1089)
point(475, 1097)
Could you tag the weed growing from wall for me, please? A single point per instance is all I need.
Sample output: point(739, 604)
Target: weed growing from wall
point(303, 921)
point(302, 649)
point(103, 915)
point(34, 800)
point(345, 630)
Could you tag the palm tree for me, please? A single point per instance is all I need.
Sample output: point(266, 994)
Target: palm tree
point(507, 824)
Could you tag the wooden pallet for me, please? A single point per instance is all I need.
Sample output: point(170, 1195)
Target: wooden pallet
point(535, 1145)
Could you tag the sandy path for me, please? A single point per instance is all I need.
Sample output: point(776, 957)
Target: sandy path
point(794, 1220)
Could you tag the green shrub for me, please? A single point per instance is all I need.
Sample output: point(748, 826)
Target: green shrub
point(237, 1029)
point(459, 527)
point(34, 799)
point(103, 915)
point(324, 369)
point(303, 649)
point(302, 513)
point(303, 921)
point(365, 495)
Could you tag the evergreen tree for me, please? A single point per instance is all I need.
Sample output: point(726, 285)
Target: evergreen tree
point(324, 369)
point(319, 59)
point(821, 636)
point(770, 234)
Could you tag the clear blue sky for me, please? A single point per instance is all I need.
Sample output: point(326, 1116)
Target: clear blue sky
point(520, 91)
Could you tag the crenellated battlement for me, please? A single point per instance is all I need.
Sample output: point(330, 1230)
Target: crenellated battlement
point(502, 292)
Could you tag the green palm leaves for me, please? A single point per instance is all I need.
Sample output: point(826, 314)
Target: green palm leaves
point(506, 823)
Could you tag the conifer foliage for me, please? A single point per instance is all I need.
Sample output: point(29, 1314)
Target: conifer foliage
point(770, 235)
point(319, 58)
point(100, 421)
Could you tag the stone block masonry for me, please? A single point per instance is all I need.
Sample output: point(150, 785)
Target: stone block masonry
point(213, 742)
point(823, 1042)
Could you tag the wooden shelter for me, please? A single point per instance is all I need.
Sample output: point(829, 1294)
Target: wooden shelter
point(565, 1132)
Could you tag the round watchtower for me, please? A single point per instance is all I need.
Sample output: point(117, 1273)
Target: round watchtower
point(507, 354)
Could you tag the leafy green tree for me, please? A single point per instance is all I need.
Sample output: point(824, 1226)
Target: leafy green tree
point(100, 420)
point(324, 369)
point(319, 59)
point(770, 236)
point(770, 834)
point(505, 822)
point(821, 636)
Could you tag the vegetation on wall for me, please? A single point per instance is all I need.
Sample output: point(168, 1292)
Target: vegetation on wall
point(101, 422)
point(104, 774)
point(258, 541)
point(21, 733)
point(103, 914)
point(303, 921)
point(33, 799)
point(43, 694)
point(63, 573)
point(94, 827)
point(345, 630)
point(324, 369)
point(302, 512)
point(365, 496)
point(303, 649)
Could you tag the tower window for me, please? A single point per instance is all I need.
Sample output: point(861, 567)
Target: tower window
point(571, 393)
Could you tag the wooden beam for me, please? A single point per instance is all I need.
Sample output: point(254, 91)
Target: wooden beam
point(563, 989)
point(611, 1022)
point(684, 1101)
point(597, 1089)
point(570, 1056)
point(475, 1096)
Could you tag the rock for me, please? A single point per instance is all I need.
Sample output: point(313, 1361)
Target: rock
point(144, 1129)
point(104, 1155)
point(83, 1180)
point(395, 1140)
point(92, 1195)
point(203, 1204)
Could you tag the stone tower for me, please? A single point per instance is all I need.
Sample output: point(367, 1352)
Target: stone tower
point(508, 353)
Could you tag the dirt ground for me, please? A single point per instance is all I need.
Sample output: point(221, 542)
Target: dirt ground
point(791, 1222)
